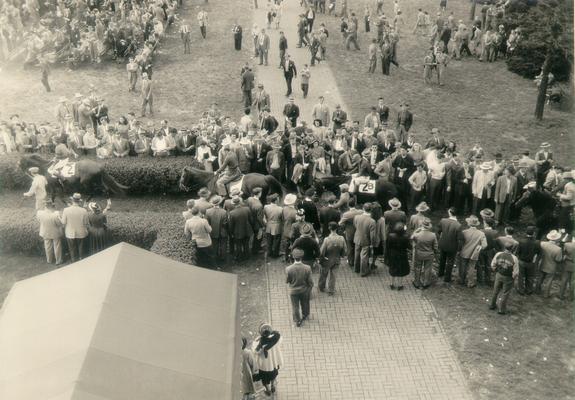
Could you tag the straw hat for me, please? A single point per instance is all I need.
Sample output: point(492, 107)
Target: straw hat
point(486, 166)
point(34, 170)
point(394, 203)
point(422, 207)
point(290, 199)
point(554, 235)
point(487, 213)
point(472, 221)
point(76, 197)
point(216, 200)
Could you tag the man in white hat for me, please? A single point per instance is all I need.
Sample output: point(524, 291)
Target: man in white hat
point(75, 221)
point(37, 188)
point(289, 216)
point(426, 248)
point(473, 241)
point(551, 256)
point(483, 182)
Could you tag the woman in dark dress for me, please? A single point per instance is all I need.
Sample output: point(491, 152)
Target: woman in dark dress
point(97, 229)
point(396, 257)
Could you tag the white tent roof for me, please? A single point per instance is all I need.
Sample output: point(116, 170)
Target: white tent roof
point(123, 324)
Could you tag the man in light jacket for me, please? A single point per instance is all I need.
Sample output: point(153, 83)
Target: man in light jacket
point(51, 232)
point(75, 221)
point(472, 240)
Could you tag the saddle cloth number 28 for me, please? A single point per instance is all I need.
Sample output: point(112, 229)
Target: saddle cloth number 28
point(367, 187)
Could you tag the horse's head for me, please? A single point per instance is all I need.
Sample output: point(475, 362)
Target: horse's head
point(33, 160)
point(525, 198)
point(185, 178)
point(193, 179)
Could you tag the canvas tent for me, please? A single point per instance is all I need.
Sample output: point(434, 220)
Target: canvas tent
point(123, 324)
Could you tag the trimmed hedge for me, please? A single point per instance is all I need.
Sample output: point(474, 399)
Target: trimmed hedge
point(142, 175)
point(162, 233)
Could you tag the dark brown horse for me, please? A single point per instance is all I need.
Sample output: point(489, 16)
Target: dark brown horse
point(384, 190)
point(89, 177)
point(193, 179)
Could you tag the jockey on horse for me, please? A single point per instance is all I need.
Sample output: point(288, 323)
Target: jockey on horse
point(230, 168)
point(60, 161)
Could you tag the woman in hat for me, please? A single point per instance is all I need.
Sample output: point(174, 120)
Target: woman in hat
point(268, 356)
point(396, 258)
point(97, 226)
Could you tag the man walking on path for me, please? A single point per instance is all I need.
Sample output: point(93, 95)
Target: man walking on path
point(290, 72)
point(247, 86)
point(283, 46)
point(333, 249)
point(147, 95)
point(300, 284)
point(186, 37)
point(449, 231)
point(263, 47)
point(203, 22)
point(75, 221)
point(305, 75)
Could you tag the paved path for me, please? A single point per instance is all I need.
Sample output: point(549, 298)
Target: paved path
point(366, 342)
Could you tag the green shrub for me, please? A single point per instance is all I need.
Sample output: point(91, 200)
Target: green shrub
point(142, 175)
point(162, 233)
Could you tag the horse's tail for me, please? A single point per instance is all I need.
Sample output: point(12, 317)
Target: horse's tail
point(112, 185)
point(274, 186)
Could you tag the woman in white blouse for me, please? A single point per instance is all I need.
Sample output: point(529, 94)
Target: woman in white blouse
point(204, 155)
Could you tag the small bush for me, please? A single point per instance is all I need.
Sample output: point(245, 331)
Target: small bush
point(142, 175)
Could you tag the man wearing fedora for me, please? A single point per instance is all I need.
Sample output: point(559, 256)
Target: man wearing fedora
point(505, 194)
point(364, 240)
point(308, 244)
point(332, 250)
point(528, 251)
point(300, 283)
point(551, 256)
point(395, 215)
point(37, 188)
point(425, 248)
point(289, 215)
point(75, 221)
point(217, 217)
point(241, 228)
point(404, 122)
point(481, 187)
point(51, 232)
point(203, 204)
point(506, 266)
point(416, 220)
point(472, 241)
point(273, 222)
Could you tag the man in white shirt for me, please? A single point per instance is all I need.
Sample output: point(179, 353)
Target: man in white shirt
point(437, 173)
point(203, 22)
point(37, 188)
point(483, 181)
point(321, 112)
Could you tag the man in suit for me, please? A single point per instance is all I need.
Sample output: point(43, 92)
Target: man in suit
point(339, 118)
point(404, 122)
point(347, 222)
point(332, 250)
point(404, 166)
point(448, 231)
point(291, 113)
point(268, 122)
point(247, 86)
point(260, 151)
point(101, 112)
point(300, 283)
point(217, 217)
point(147, 95)
point(257, 217)
point(51, 232)
point(364, 240)
point(505, 194)
point(290, 72)
point(75, 221)
point(283, 46)
point(202, 203)
point(472, 240)
point(372, 119)
point(382, 111)
point(436, 141)
point(425, 248)
point(387, 145)
point(240, 222)
point(354, 143)
point(263, 47)
point(85, 112)
point(273, 220)
point(321, 111)
point(262, 99)
point(328, 214)
point(275, 162)
point(185, 143)
point(120, 146)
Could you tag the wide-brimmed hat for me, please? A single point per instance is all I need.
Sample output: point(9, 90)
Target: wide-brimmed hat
point(78, 95)
point(305, 229)
point(62, 99)
point(422, 207)
point(530, 185)
point(290, 199)
point(394, 203)
point(545, 145)
point(487, 213)
point(34, 170)
point(76, 197)
point(216, 200)
point(265, 327)
point(434, 130)
point(486, 166)
point(472, 220)
point(554, 235)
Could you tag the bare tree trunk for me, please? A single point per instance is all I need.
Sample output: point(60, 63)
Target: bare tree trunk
point(542, 94)
point(472, 13)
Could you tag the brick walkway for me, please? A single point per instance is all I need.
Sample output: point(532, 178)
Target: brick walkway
point(366, 342)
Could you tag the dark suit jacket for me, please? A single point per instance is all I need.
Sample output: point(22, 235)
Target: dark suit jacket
point(240, 223)
point(218, 219)
point(360, 146)
point(448, 231)
point(339, 119)
point(247, 80)
point(270, 124)
point(291, 111)
point(405, 118)
point(311, 214)
point(364, 230)
point(281, 160)
point(186, 140)
point(327, 215)
point(383, 112)
point(291, 71)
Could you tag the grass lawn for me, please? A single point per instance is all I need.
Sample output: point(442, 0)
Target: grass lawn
point(185, 85)
point(479, 101)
